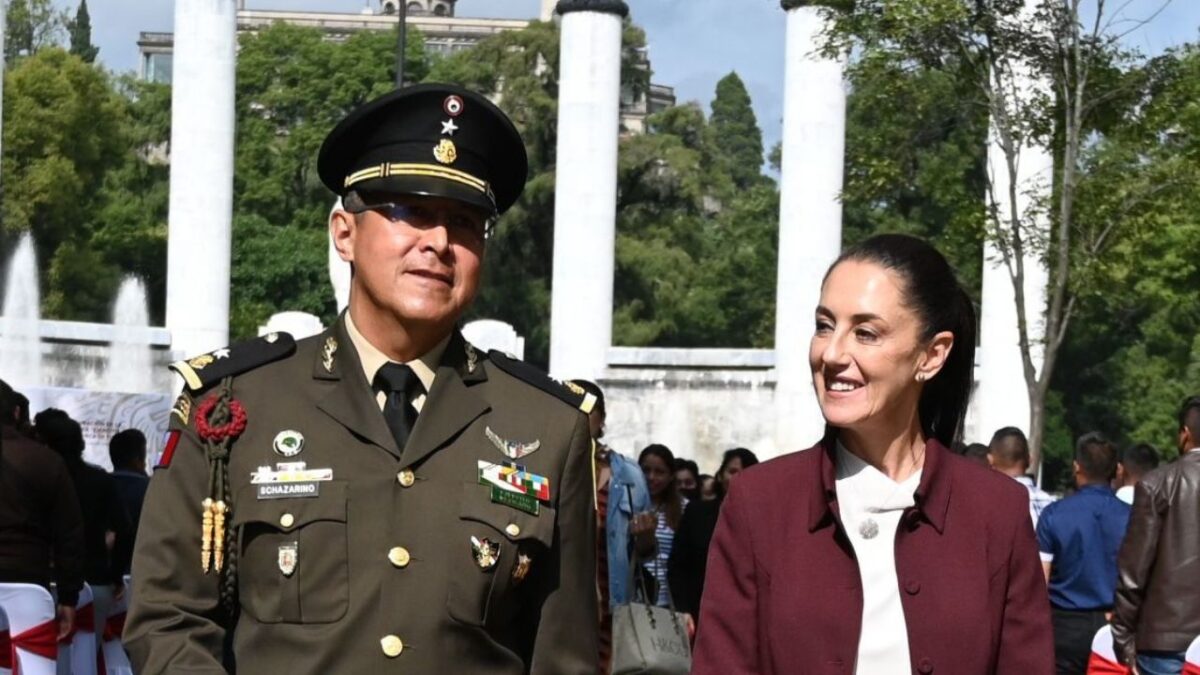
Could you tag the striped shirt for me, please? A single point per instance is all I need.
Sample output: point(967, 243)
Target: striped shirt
point(658, 566)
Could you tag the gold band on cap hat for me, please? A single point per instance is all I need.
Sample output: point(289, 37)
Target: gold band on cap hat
point(426, 170)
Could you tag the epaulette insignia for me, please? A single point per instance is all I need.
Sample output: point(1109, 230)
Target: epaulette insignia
point(205, 370)
point(183, 408)
point(576, 397)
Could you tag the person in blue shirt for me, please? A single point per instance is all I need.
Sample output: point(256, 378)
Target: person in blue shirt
point(1079, 538)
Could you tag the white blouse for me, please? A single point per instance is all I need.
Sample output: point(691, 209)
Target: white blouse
point(871, 504)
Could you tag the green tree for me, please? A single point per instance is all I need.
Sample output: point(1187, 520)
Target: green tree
point(64, 129)
point(1137, 356)
point(1001, 48)
point(916, 143)
point(131, 210)
point(31, 25)
point(293, 86)
point(736, 131)
point(520, 68)
point(80, 30)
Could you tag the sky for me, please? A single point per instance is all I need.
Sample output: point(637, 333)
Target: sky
point(693, 43)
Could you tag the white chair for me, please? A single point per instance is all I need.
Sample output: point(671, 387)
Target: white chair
point(32, 627)
point(115, 660)
point(5, 646)
point(1103, 659)
point(1191, 658)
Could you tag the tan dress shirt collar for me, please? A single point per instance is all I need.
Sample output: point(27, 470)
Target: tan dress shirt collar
point(373, 359)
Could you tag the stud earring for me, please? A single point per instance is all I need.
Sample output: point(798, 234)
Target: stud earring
point(921, 377)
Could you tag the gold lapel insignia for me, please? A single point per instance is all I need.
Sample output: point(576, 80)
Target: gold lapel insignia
point(445, 151)
point(472, 358)
point(327, 352)
point(511, 449)
point(574, 388)
point(183, 408)
point(487, 552)
point(521, 570)
point(200, 362)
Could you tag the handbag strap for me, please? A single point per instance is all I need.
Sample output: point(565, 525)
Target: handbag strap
point(635, 563)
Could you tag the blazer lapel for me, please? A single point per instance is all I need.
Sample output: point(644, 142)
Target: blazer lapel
point(350, 401)
point(452, 404)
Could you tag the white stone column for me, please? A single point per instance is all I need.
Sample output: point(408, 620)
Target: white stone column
point(1001, 396)
point(810, 218)
point(585, 210)
point(201, 202)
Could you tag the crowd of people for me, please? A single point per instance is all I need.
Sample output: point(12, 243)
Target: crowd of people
point(64, 521)
point(489, 527)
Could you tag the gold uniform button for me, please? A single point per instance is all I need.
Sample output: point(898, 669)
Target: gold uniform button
point(406, 478)
point(399, 556)
point(287, 520)
point(392, 646)
point(513, 530)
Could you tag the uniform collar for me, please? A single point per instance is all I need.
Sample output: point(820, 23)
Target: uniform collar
point(372, 359)
point(932, 497)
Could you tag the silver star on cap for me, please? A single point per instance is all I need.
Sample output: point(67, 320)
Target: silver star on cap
point(449, 127)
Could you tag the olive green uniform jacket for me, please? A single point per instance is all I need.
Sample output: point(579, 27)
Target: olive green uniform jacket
point(384, 577)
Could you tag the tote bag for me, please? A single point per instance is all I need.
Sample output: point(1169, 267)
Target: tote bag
point(647, 639)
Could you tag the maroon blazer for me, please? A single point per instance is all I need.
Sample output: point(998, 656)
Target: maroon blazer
point(784, 594)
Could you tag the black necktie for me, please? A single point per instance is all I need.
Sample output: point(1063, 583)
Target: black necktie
point(401, 385)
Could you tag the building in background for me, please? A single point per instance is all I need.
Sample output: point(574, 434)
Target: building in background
point(444, 35)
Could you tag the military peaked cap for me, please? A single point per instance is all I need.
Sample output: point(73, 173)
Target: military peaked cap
point(429, 139)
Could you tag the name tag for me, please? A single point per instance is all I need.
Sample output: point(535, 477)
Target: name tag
point(289, 490)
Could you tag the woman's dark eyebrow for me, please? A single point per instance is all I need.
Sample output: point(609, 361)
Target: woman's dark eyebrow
point(861, 317)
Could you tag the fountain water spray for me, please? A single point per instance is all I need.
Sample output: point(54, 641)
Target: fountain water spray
point(20, 344)
point(129, 367)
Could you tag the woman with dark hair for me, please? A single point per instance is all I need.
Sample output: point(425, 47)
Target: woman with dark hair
point(658, 465)
point(880, 551)
point(689, 555)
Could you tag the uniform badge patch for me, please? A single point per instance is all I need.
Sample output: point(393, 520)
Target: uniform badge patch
point(472, 357)
point(202, 361)
point(288, 558)
point(512, 449)
point(183, 408)
point(327, 352)
point(521, 569)
point(445, 151)
point(486, 552)
point(289, 442)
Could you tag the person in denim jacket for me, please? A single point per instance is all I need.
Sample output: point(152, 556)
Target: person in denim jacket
point(623, 513)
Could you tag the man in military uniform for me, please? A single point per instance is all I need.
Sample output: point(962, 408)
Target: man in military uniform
point(381, 497)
